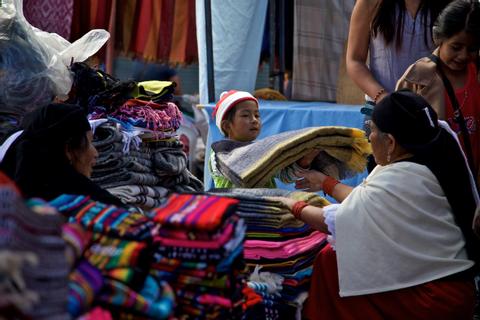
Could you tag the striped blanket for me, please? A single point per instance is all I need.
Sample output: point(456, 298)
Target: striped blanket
point(194, 212)
point(253, 164)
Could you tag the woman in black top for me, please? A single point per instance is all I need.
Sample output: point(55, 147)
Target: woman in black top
point(54, 155)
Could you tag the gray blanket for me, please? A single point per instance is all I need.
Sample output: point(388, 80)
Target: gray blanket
point(253, 164)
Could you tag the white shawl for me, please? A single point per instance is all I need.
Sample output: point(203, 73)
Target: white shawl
point(396, 230)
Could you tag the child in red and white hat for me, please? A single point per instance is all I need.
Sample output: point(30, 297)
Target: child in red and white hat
point(238, 118)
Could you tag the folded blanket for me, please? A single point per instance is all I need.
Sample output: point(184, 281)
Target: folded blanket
point(145, 196)
point(125, 177)
point(194, 212)
point(254, 164)
point(106, 134)
point(131, 191)
point(169, 161)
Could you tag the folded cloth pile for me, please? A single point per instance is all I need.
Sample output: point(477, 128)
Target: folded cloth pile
point(105, 219)
point(33, 266)
point(138, 148)
point(253, 164)
point(277, 242)
point(189, 250)
point(156, 91)
point(114, 269)
point(199, 251)
point(140, 171)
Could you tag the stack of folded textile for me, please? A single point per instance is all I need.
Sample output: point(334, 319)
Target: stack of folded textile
point(126, 171)
point(33, 266)
point(140, 156)
point(199, 251)
point(138, 170)
point(115, 267)
point(192, 243)
point(278, 242)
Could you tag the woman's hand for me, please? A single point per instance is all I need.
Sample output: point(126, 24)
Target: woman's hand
point(307, 159)
point(311, 180)
point(286, 201)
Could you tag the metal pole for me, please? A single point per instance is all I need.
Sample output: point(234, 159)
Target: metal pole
point(209, 47)
point(281, 45)
point(272, 30)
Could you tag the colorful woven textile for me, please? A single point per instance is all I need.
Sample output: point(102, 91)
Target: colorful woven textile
point(194, 212)
point(108, 253)
point(162, 30)
point(155, 300)
point(280, 245)
point(84, 284)
point(256, 249)
point(150, 115)
point(103, 218)
point(254, 164)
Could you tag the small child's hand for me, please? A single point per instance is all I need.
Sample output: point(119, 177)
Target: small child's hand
point(311, 180)
point(308, 158)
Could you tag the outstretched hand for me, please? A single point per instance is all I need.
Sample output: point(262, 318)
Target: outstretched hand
point(311, 180)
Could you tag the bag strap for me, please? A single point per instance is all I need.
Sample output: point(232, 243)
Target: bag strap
point(457, 112)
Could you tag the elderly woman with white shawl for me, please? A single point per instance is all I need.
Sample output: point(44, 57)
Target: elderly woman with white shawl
point(401, 243)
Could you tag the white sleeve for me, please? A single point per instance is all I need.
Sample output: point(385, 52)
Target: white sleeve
point(329, 213)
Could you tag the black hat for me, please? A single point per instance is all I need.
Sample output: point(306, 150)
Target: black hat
point(408, 117)
point(56, 121)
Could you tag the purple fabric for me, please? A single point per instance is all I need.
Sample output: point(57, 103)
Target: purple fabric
point(50, 15)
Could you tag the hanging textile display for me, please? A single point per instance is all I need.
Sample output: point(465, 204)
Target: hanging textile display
point(237, 31)
point(50, 15)
point(160, 30)
point(317, 51)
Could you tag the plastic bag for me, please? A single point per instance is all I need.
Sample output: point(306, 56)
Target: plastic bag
point(33, 63)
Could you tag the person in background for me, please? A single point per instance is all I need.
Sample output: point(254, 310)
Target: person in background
point(401, 243)
point(54, 155)
point(238, 118)
point(457, 36)
point(391, 34)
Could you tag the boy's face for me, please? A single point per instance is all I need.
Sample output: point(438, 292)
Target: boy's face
point(246, 123)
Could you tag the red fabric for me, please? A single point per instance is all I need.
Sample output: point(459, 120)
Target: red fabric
point(198, 212)
point(441, 299)
point(470, 106)
point(191, 54)
point(80, 20)
point(159, 30)
point(142, 26)
point(6, 181)
point(166, 29)
point(180, 32)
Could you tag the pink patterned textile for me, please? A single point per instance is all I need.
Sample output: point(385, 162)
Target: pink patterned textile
point(258, 249)
point(50, 15)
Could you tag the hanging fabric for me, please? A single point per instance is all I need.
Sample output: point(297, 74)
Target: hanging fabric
point(50, 15)
point(318, 50)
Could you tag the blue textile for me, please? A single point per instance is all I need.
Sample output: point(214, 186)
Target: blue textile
point(280, 116)
point(237, 31)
